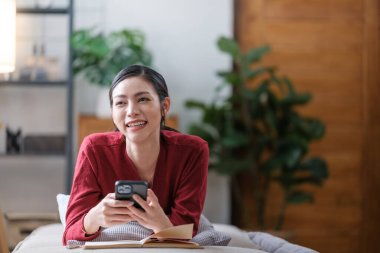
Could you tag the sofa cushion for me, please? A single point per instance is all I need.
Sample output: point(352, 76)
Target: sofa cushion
point(62, 201)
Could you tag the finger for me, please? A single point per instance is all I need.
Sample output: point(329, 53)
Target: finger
point(120, 218)
point(117, 203)
point(117, 210)
point(152, 198)
point(123, 203)
point(136, 212)
point(117, 222)
point(141, 202)
point(138, 219)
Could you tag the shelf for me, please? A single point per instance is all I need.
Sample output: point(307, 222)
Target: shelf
point(45, 11)
point(9, 83)
point(33, 83)
point(32, 155)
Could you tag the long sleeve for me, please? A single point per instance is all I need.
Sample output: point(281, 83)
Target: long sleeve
point(85, 194)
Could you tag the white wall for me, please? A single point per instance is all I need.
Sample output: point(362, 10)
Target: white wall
point(182, 36)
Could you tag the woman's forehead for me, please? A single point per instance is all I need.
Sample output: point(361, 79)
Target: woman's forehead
point(133, 86)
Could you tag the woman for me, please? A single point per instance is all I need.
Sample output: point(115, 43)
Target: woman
point(173, 164)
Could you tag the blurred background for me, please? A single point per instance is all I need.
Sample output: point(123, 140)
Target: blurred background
point(325, 53)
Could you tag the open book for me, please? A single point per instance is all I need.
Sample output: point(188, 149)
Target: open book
point(174, 237)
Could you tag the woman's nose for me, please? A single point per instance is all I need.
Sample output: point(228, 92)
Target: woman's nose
point(132, 110)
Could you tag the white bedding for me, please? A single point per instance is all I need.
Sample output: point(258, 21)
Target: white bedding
point(47, 239)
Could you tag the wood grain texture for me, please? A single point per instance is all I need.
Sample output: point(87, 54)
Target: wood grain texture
point(3, 235)
point(331, 49)
point(370, 226)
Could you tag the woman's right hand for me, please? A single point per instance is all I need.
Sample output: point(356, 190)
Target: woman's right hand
point(108, 212)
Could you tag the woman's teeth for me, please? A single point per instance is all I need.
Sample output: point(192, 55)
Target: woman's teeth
point(136, 124)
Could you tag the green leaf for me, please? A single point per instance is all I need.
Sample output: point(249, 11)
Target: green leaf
point(309, 127)
point(100, 57)
point(229, 46)
point(315, 128)
point(230, 165)
point(203, 131)
point(306, 180)
point(270, 118)
point(290, 85)
point(230, 77)
point(299, 99)
point(293, 156)
point(299, 197)
point(255, 54)
point(290, 142)
point(215, 116)
point(316, 166)
point(272, 164)
point(288, 156)
point(195, 104)
point(235, 140)
point(253, 73)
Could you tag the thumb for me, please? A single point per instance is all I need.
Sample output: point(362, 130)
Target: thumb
point(111, 195)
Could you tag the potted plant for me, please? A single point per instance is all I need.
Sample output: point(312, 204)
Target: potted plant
point(100, 57)
point(257, 129)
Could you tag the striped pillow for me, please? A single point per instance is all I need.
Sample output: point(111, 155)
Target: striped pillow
point(206, 235)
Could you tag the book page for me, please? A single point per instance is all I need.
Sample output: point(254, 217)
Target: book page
point(182, 232)
point(173, 237)
point(113, 244)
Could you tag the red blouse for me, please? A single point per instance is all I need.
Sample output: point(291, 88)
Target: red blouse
point(179, 181)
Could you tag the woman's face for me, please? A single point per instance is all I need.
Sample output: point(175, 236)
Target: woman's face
point(136, 109)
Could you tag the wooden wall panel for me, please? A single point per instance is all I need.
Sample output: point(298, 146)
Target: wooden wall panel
point(370, 227)
point(313, 9)
point(330, 48)
point(312, 36)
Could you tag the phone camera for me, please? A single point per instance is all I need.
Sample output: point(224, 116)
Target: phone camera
point(124, 189)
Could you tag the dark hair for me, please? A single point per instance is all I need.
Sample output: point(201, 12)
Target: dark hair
point(150, 75)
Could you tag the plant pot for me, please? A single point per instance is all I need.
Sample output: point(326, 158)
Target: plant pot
point(218, 201)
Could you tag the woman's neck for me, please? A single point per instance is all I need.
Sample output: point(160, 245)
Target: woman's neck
point(144, 155)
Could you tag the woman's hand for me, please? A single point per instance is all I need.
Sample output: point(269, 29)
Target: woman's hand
point(107, 213)
point(154, 216)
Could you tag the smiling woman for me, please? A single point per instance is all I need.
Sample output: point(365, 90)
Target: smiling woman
point(175, 165)
point(141, 111)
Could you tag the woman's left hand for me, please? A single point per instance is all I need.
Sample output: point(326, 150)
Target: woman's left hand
point(154, 216)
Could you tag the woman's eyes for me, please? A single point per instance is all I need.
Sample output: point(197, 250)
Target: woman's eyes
point(139, 100)
point(143, 99)
point(118, 103)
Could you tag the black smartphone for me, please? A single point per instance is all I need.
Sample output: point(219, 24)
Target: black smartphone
point(124, 189)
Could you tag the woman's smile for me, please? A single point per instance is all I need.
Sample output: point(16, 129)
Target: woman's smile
point(136, 124)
